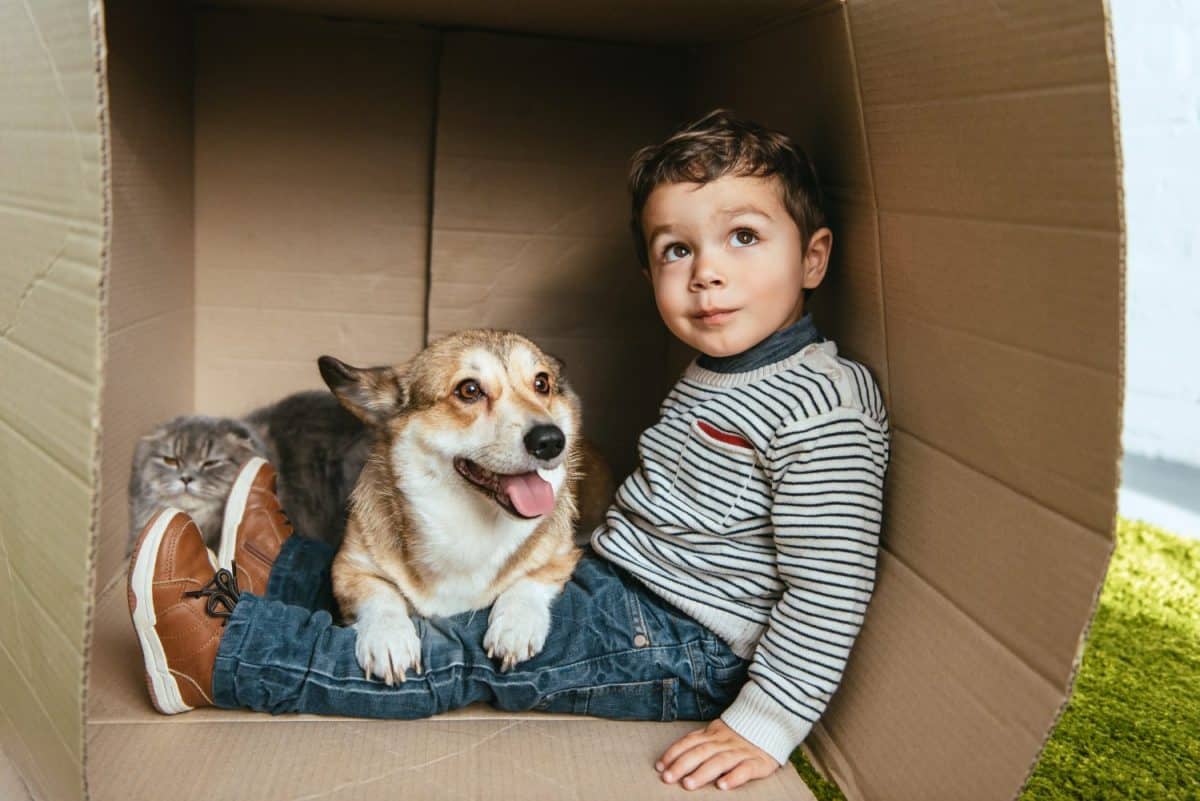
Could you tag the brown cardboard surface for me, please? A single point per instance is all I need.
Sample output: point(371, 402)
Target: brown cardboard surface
point(52, 225)
point(312, 161)
point(988, 112)
point(476, 753)
point(934, 707)
point(531, 219)
point(150, 344)
point(990, 279)
point(1044, 427)
point(998, 556)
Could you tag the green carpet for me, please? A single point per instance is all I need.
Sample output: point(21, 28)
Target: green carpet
point(1132, 727)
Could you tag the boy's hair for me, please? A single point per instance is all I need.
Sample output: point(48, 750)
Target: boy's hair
point(720, 144)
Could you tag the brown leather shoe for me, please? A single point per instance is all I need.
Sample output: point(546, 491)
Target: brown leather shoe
point(178, 608)
point(255, 527)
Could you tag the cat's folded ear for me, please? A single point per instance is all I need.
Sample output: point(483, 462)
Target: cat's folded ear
point(372, 394)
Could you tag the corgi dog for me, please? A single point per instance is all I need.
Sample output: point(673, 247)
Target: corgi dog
point(468, 497)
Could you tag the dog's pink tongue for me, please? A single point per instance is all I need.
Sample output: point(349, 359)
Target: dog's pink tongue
point(530, 494)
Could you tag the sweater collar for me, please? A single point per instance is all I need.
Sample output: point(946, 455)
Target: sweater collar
point(776, 347)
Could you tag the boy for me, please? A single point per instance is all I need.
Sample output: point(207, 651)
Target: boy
point(734, 567)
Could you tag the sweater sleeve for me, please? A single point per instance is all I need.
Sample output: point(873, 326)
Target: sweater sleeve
point(827, 472)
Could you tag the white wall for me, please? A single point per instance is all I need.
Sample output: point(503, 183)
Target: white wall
point(1158, 75)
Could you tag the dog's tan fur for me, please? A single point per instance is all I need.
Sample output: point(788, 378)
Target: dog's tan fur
point(400, 552)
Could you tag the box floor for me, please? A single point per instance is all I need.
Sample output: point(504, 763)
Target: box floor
point(215, 754)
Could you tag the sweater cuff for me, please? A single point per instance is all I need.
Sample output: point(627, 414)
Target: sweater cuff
point(755, 716)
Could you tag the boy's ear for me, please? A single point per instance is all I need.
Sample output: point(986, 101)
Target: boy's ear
point(816, 257)
point(372, 394)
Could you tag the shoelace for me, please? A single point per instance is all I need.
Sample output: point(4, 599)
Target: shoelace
point(222, 594)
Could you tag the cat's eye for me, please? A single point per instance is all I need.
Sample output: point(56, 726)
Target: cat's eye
point(170, 461)
point(211, 463)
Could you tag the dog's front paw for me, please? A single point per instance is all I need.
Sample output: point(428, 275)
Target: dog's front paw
point(517, 630)
point(387, 645)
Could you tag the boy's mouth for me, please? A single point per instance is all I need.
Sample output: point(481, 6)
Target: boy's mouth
point(714, 316)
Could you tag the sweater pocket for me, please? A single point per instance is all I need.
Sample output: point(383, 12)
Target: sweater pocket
point(714, 471)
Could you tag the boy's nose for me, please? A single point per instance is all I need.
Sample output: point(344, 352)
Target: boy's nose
point(704, 276)
point(706, 280)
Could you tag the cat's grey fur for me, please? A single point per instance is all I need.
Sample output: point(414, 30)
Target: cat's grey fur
point(315, 445)
point(318, 449)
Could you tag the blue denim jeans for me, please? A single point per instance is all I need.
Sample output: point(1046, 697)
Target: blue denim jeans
point(615, 650)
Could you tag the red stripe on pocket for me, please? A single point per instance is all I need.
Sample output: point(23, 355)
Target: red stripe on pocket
point(723, 436)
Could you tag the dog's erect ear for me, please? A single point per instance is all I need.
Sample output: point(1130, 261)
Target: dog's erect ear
point(372, 394)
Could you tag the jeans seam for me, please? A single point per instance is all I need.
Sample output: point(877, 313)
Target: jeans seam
point(699, 678)
point(635, 614)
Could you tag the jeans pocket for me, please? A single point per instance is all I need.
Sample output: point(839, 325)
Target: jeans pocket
point(725, 672)
point(635, 700)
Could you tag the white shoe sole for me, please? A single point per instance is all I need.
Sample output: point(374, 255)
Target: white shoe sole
point(235, 507)
point(163, 687)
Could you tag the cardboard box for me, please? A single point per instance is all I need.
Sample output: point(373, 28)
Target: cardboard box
point(195, 202)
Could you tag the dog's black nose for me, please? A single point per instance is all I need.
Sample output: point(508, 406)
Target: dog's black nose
point(545, 441)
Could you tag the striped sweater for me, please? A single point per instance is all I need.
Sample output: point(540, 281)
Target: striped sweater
point(756, 510)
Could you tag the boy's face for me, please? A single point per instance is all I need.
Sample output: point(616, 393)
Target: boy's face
point(727, 262)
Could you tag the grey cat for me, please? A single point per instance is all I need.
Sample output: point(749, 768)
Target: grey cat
point(190, 463)
point(316, 446)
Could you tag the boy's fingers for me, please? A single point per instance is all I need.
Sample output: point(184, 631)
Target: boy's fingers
point(744, 772)
point(713, 767)
point(678, 747)
point(686, 762)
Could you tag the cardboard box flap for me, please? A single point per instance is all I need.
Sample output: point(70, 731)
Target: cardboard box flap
point(989, 112)
point(52, 225)
point(933, 706)
point(998, 556)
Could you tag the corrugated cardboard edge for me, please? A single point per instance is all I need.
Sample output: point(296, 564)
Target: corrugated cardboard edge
point(1122, 238)
point(100, 54)
point(436, 80)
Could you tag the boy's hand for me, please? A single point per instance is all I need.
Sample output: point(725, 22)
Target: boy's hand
point(714, 752)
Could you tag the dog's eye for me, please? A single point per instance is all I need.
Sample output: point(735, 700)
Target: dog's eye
point(469, 390)
point(541, 383)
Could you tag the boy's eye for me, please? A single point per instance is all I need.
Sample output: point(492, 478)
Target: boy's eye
point(676, 251)
point(742, 237)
